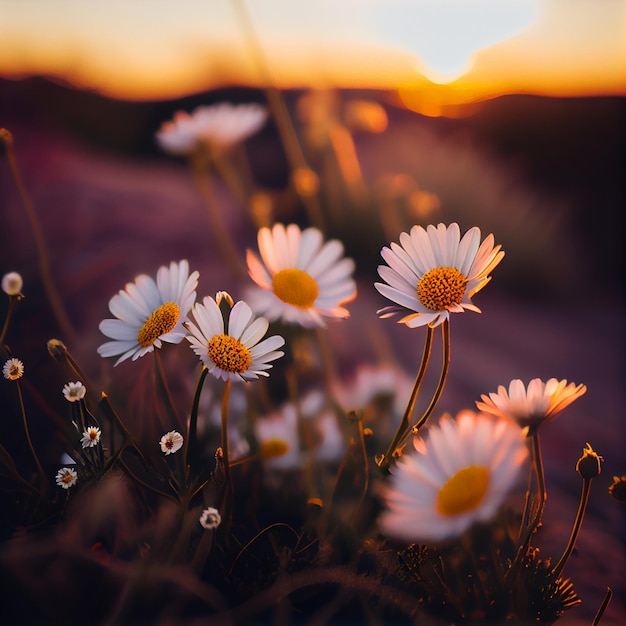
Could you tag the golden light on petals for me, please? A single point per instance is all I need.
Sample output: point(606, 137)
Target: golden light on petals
point(441, 288)
point(295, 287)
point(229, 354)
point(160, 322)
point(463, 491)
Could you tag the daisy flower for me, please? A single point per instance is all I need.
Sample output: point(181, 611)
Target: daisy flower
point(210, 518)
point(91, 437)
point(233, 353)
point(12, 284)
point(219, 126)
point(278, 439)
point(302, 279)
point(74, 392)
point(13, 369)
point(534, 405)
point(66, 477)
point(171, 442)
point(459, 475)
point(149, 313)
point(434, 272)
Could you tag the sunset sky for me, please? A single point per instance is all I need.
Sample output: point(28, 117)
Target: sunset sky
point(447, 51)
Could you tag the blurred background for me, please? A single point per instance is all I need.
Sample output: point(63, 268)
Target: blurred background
point(509, 116)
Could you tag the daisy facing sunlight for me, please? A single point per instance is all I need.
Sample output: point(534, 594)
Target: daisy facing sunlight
point(232, 349)
point(435, 272)
point(302, 280)
point(532, 406)
point(149, 313)
point(460, 475)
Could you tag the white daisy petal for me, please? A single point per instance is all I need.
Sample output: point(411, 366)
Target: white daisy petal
point(148, 312)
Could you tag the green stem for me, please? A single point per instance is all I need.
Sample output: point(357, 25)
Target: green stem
point(404, 426)
point(580, 514)
point(44, 264)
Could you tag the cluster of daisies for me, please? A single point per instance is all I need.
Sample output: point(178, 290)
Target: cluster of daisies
point(459, 473)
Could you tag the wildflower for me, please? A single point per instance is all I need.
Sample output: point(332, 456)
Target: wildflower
point(588, 465)
point(277, 436)
point(74, 392)
point(13, 369)
point(171, 442)
point(66, 477)
point(219, 126)
point(149, 312)
point(91, 437)
point(236, 353)
point(459, 475)
point(617, 489)
point(12, 284)
point(434, 272)
point(210, 518)
point(533, 406)
point(302, 279)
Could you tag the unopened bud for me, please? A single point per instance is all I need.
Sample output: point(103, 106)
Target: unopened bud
point(57, 350)
point(618, 489)
point(588, 465)
point(12, 284)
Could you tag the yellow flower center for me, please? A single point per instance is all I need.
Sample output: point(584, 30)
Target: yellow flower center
point(273, 447)
point(441, 288)
point(464, 491)
point(295, 287)
point(229, 354)
point(68, 478)
point(161, 321)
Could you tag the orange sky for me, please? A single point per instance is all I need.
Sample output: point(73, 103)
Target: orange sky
point(140, 49)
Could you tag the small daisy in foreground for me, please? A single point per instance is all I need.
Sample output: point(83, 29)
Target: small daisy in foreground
point(210, 518)
point(149, 313)
point(91, 437)
point(171, 442)
point(66, 477)
point(74, 392)
point(460, 475)
point(235, 354)
point(302, 279)
point(12, 284)
point(534, 405)
point(434, 272)
point(13, 369)
point(215, 127)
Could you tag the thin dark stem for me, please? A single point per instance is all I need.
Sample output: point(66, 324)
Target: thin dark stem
point(607, 598)
point(228, 496)
point(366, 470)
point(44, 264)
point(190, 448)
point(405, 423)
point(163, 388)
point(580, 515)
point(28, 438)
point(12, 302)
point(541, 484)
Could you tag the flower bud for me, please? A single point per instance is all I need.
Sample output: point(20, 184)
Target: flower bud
point(618, 489)
point(588, 466)
point(57, 350)
point(12, 284)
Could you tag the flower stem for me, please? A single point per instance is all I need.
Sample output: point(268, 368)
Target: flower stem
point(228, 495)
point(190, 448)
point(202, 178)
point(541, 484)
point(384, 461)
point(580, 514)
point(445, 337)
point(27, 431)
point(44, 265)
point(12, 301)
point(607, 598)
